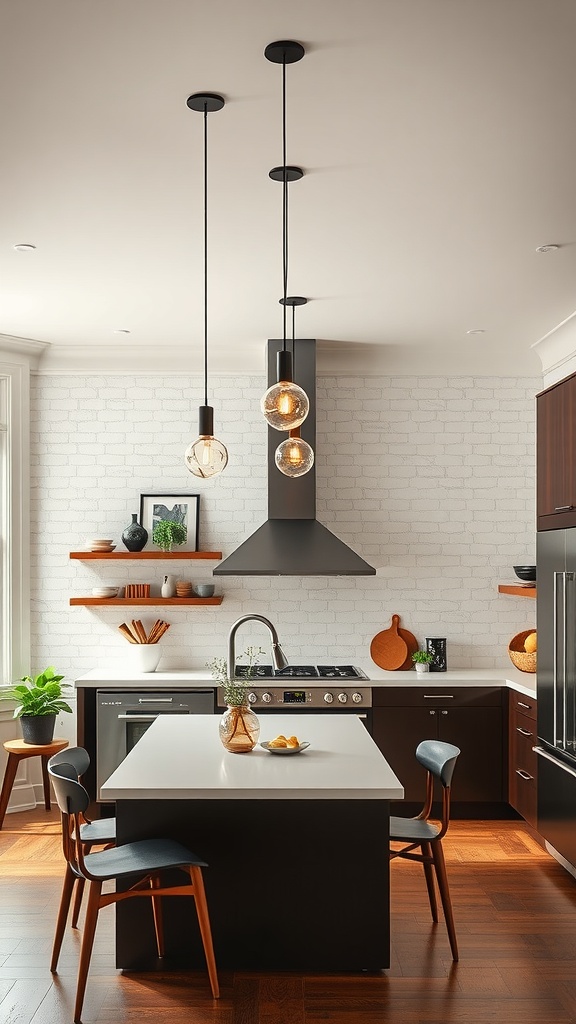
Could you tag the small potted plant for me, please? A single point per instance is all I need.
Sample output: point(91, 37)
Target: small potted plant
point(167, 532)
point(422, 661)
point(38, 701)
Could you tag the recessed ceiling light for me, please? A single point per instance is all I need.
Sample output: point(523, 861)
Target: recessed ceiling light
point(24, 247)
point(476, 330)
point(121, 330)
point(547, 248)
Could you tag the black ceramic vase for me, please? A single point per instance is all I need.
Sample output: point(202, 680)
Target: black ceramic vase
point(134, 536)
point(436, 646)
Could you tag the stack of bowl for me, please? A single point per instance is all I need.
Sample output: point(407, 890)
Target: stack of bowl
point(183, 588)
point(99, 544)
point(104, 591)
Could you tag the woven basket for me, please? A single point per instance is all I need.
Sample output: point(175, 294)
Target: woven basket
point(518, 656)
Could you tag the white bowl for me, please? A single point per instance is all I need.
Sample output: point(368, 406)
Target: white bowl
point(100, 540)
point(104, 591)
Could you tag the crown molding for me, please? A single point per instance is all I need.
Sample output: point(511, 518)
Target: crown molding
point(29, 350)
point(557, 350)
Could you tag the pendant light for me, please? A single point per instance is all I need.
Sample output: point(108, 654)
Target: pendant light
point(285, 405)
point(294, 457)
point(206, 457)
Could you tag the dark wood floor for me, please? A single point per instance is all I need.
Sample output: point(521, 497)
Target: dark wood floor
point(515, 911)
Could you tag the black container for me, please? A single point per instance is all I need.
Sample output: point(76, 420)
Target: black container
point(436, 646)
point(135, 536)
point(38, 729)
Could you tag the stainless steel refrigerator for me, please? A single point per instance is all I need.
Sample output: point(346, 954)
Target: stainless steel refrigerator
point(556, 686)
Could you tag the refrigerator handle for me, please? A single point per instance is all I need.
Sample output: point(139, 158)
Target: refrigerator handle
point(564, 653)
point(557, 576)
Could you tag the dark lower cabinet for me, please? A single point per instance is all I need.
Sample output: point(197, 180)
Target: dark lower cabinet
point(523, 761)
point(472, 718)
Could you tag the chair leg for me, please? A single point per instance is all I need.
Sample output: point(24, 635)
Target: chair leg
point(92, 908)
point(158, 918)
point(205, 930)
point(429, 874)
point(45, 781)
point(67, 888)
point(440, 865)
point(9, 776)
point(77, 901)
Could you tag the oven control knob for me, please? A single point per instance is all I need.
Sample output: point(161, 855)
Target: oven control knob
point(343, 698)
point(356, 698)
point(266, 698)
point(252, 698)
point(328, 698)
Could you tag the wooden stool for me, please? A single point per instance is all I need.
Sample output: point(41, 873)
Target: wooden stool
point(17, 750)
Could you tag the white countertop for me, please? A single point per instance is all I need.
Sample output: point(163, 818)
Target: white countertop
point(182, 758)
point(522, 682)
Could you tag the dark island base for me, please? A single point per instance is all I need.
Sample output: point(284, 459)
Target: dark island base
point(291, 884)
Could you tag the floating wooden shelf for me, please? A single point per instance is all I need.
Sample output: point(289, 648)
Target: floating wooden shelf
point(517, 590)
point(175, 601)
point(85, 556)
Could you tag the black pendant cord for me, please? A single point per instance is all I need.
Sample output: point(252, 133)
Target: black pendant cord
point(205, 254)
point(284, 207)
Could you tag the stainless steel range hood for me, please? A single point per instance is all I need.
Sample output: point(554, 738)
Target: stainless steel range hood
point(292, 542)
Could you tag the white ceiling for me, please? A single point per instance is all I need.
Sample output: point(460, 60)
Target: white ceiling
point(438, 141)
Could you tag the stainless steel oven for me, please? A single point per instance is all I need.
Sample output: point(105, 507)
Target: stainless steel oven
point(123, 716)
point(312, 689)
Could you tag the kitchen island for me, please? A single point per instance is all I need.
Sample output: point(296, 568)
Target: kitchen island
point(297, 845)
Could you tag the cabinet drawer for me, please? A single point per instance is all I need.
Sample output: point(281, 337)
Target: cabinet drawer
point(436, 696)
point(526, 799)
point(523, 740)
point(523, 705)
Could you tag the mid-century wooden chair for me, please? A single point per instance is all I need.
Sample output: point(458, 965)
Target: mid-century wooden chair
point(438, 759)
point(100, 832)
point(145, 860)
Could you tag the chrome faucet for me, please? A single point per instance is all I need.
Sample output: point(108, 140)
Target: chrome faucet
point(279, 659)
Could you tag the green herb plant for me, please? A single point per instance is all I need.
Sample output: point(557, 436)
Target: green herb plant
point(422, 658)
point(38, 696)
point(236, 690)
point(167, 532)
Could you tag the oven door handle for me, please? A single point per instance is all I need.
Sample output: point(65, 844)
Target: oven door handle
point(138, 718)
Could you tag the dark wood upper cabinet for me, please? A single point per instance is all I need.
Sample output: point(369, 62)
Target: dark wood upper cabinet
point(556, 456)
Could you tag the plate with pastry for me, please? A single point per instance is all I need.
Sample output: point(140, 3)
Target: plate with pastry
point(285, 745)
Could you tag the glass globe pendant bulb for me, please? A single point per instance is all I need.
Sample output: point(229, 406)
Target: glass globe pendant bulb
point(206, 456)
point(285, 405)
point(294, 457)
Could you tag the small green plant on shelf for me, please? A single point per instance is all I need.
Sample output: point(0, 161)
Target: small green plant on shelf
point(422, 658)
point(167, 532)
point(236, 690)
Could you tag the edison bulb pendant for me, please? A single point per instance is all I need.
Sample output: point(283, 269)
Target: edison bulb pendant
point(285, 405)
point(294, 457)
point(206, 457)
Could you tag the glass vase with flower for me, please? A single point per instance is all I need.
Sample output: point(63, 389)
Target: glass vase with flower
point(239, 727)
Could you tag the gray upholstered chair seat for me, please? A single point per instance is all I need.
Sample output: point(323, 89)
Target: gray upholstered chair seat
point(146, 857)
point(411, 830)
point(102, 830)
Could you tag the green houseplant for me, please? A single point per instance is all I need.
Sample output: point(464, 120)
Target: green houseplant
point(167, 532)
point(39, 700)
point(422, 660)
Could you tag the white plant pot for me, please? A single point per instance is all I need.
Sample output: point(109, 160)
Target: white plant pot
point(421, 668)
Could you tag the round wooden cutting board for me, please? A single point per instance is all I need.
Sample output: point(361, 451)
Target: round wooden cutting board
point(392, 648)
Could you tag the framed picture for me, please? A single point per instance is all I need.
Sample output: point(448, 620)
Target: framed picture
point(180, 508)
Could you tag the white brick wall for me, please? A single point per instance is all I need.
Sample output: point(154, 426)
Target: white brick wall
point(430, 479)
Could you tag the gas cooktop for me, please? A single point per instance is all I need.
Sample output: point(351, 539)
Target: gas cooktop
point(300, 672)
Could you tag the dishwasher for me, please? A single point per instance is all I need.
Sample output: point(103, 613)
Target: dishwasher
point(123, 716)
